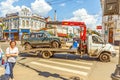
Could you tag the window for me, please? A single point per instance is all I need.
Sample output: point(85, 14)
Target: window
point(27, 23)
point(31, 23)
point(15, 24)
point(23, 23)
point(96, 39)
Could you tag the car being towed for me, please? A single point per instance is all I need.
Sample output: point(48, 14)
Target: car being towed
point(40, 39)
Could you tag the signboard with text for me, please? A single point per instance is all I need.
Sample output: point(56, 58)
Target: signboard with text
point(99, 27)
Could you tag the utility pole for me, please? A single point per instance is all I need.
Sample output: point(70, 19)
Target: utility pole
point(9, 28)
point(116, 74)
point(55, 26)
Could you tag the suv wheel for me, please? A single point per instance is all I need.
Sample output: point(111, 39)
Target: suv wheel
point(28, 46)
point(55, 44)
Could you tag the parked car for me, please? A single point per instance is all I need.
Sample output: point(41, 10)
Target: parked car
point(40, 39)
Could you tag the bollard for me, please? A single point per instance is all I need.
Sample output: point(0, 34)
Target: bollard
point(116, 74)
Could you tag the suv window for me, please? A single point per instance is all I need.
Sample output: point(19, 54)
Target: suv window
point(33, 36)
point(39, 35)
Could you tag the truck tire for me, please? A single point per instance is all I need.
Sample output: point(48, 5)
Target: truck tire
point(27, 46)
point(104, 57)
point(46, 54)
point(55, 44)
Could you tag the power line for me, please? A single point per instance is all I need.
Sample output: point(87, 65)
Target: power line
point(54, 2)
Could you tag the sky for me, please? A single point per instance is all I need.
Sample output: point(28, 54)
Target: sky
point(88, 11)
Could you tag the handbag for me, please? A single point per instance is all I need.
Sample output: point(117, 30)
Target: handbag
point(7, 68)
point(3, 61)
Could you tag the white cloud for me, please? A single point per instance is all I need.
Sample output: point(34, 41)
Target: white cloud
point(7, 7)
point(40, 7)
point(62, 4)
point(91, 20)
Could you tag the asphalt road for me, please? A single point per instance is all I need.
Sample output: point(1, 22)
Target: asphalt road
point(61, 67)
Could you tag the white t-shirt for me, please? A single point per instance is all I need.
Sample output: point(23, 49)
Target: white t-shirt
point(12, 51)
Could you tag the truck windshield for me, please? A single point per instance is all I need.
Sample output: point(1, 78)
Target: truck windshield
point(97, 39)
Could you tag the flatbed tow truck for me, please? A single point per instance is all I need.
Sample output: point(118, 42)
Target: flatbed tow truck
point(92, 45)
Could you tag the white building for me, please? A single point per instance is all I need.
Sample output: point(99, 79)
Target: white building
point(22, 22)
point(110, 25)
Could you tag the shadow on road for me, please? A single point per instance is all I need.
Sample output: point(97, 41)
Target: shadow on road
point(41, 73)
point(62, 56)
point(4, 77)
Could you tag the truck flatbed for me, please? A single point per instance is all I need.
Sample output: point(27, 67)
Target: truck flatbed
point(49, 49)
point(48, 52)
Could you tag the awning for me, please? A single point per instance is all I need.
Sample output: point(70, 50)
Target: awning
point(61, 34)
point(11, 31)
point(25, 30)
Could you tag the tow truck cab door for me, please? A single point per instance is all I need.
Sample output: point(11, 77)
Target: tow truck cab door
point(95, 44)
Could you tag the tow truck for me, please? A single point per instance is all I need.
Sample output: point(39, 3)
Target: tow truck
point(90, 44)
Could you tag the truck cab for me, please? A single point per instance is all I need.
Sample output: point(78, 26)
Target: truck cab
point(97, 48)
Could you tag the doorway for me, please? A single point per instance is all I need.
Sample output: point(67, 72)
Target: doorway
point(110, 37)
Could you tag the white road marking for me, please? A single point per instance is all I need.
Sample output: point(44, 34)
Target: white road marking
point(72, 65)
point(62, 69)
point(79, 62)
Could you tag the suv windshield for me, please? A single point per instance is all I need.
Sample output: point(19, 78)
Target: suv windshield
point(47, 34)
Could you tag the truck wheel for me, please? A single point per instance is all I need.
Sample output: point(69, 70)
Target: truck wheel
point(104, 57)
point(46, 54)
point(55, 44)
point(28, 46)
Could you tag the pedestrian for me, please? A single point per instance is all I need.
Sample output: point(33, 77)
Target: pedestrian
point(75, 44)
point(1, 56)
point(11, 55)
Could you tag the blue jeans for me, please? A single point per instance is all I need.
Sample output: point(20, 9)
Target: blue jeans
point(11, 69)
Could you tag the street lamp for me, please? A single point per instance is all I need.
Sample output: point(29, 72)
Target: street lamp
point(116, 74)
point(9, 29)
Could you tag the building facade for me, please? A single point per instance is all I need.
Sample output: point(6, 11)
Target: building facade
point(111, 26)
point(22, 22)
point(1, 28)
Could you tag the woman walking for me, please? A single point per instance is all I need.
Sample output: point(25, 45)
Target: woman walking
point(11, 54)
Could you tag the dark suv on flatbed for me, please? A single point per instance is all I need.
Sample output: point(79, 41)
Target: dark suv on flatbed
point(40, 39)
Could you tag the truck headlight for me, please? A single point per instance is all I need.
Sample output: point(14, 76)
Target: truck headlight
point(113, 52)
